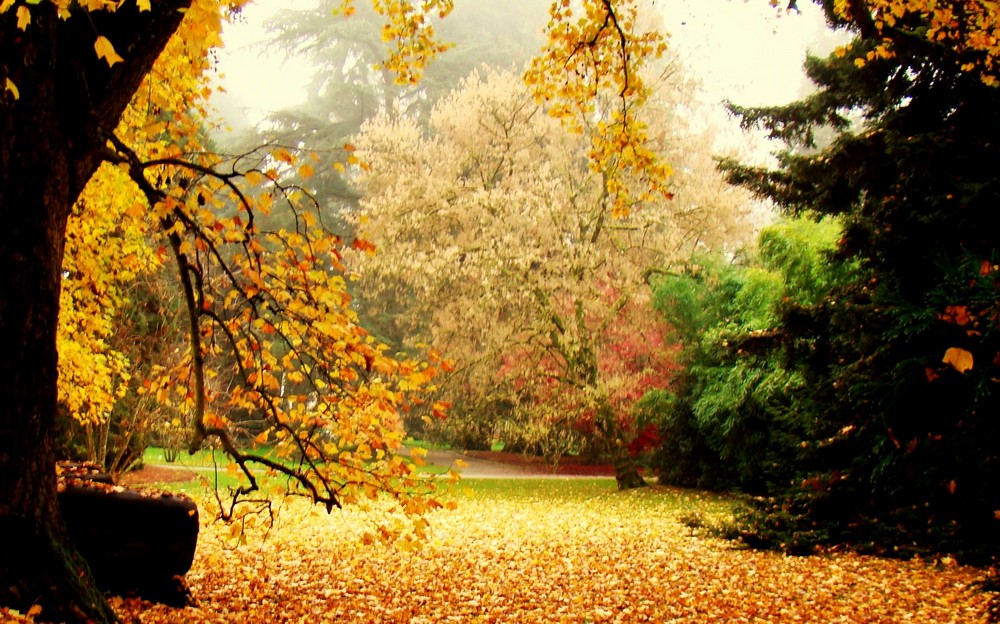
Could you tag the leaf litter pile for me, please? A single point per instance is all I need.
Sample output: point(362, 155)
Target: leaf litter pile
point(550, 551)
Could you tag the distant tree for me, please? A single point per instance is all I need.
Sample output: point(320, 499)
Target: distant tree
point(502, 243)
point(351, 86)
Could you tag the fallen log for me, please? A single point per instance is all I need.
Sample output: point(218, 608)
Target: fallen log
point(136, 542)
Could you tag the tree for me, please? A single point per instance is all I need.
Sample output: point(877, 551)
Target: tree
point(501, 241)
point(351, 87)
point(732, 419)
point(901, 362)
point(49, 152)
point(107, 260)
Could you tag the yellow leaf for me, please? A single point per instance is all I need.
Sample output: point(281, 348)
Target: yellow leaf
point(137, 210)
point(12, 88)
point(143, 5)
point(106, 51)
point(23, 17)
point(959, 359)
point(306, 171)
point(5, 5)
point(283, 155)
point(255, 178)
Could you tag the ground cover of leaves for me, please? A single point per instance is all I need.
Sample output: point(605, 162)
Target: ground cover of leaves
point(548, 551)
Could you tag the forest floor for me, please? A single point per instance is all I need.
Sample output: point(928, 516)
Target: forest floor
point(544, 551)
point(529, 543)
point(524, 545)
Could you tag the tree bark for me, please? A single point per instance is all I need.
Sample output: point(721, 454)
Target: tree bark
point(627, 475)
point(50, 144)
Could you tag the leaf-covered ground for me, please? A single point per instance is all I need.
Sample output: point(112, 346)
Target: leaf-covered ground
point(549, 551)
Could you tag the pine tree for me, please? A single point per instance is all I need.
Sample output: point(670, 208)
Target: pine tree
point(905, 361)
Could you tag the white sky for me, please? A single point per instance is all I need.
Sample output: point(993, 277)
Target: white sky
point(743, 50)
point(746, 50)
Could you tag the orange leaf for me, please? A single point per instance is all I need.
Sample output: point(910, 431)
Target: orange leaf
point(283, 155)
point(957, 315)
point(959, 359)
point(440, 409)
point(362, 245)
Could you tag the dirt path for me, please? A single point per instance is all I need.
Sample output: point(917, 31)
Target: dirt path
point(475, 467)
point(499, 465)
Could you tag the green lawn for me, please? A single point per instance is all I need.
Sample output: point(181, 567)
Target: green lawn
point(212, 468)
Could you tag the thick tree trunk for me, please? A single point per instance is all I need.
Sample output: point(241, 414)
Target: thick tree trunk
point(627, 475)
point(50, 144)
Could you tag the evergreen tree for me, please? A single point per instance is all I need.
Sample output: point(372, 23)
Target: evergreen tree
point(902, 363)
point(731, 420)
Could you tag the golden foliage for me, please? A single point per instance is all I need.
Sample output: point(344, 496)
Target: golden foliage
point(273, 337)
point(409, 27)
point(532, 558)
point(105, 249)
point(107, 241)
point(970, 29)
point(590, 53)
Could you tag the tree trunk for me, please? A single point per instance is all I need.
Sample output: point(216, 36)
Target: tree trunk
point(50, 144)
point(627, 475)
point(626, 472)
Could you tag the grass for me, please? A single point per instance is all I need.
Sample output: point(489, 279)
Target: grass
point(204, 458)
point(212, 468)
point(512, 489)
point(443, 446)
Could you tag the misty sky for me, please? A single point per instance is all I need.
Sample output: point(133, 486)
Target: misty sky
point(743, 50)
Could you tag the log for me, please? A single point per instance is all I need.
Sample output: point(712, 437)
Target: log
point(136, 542)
